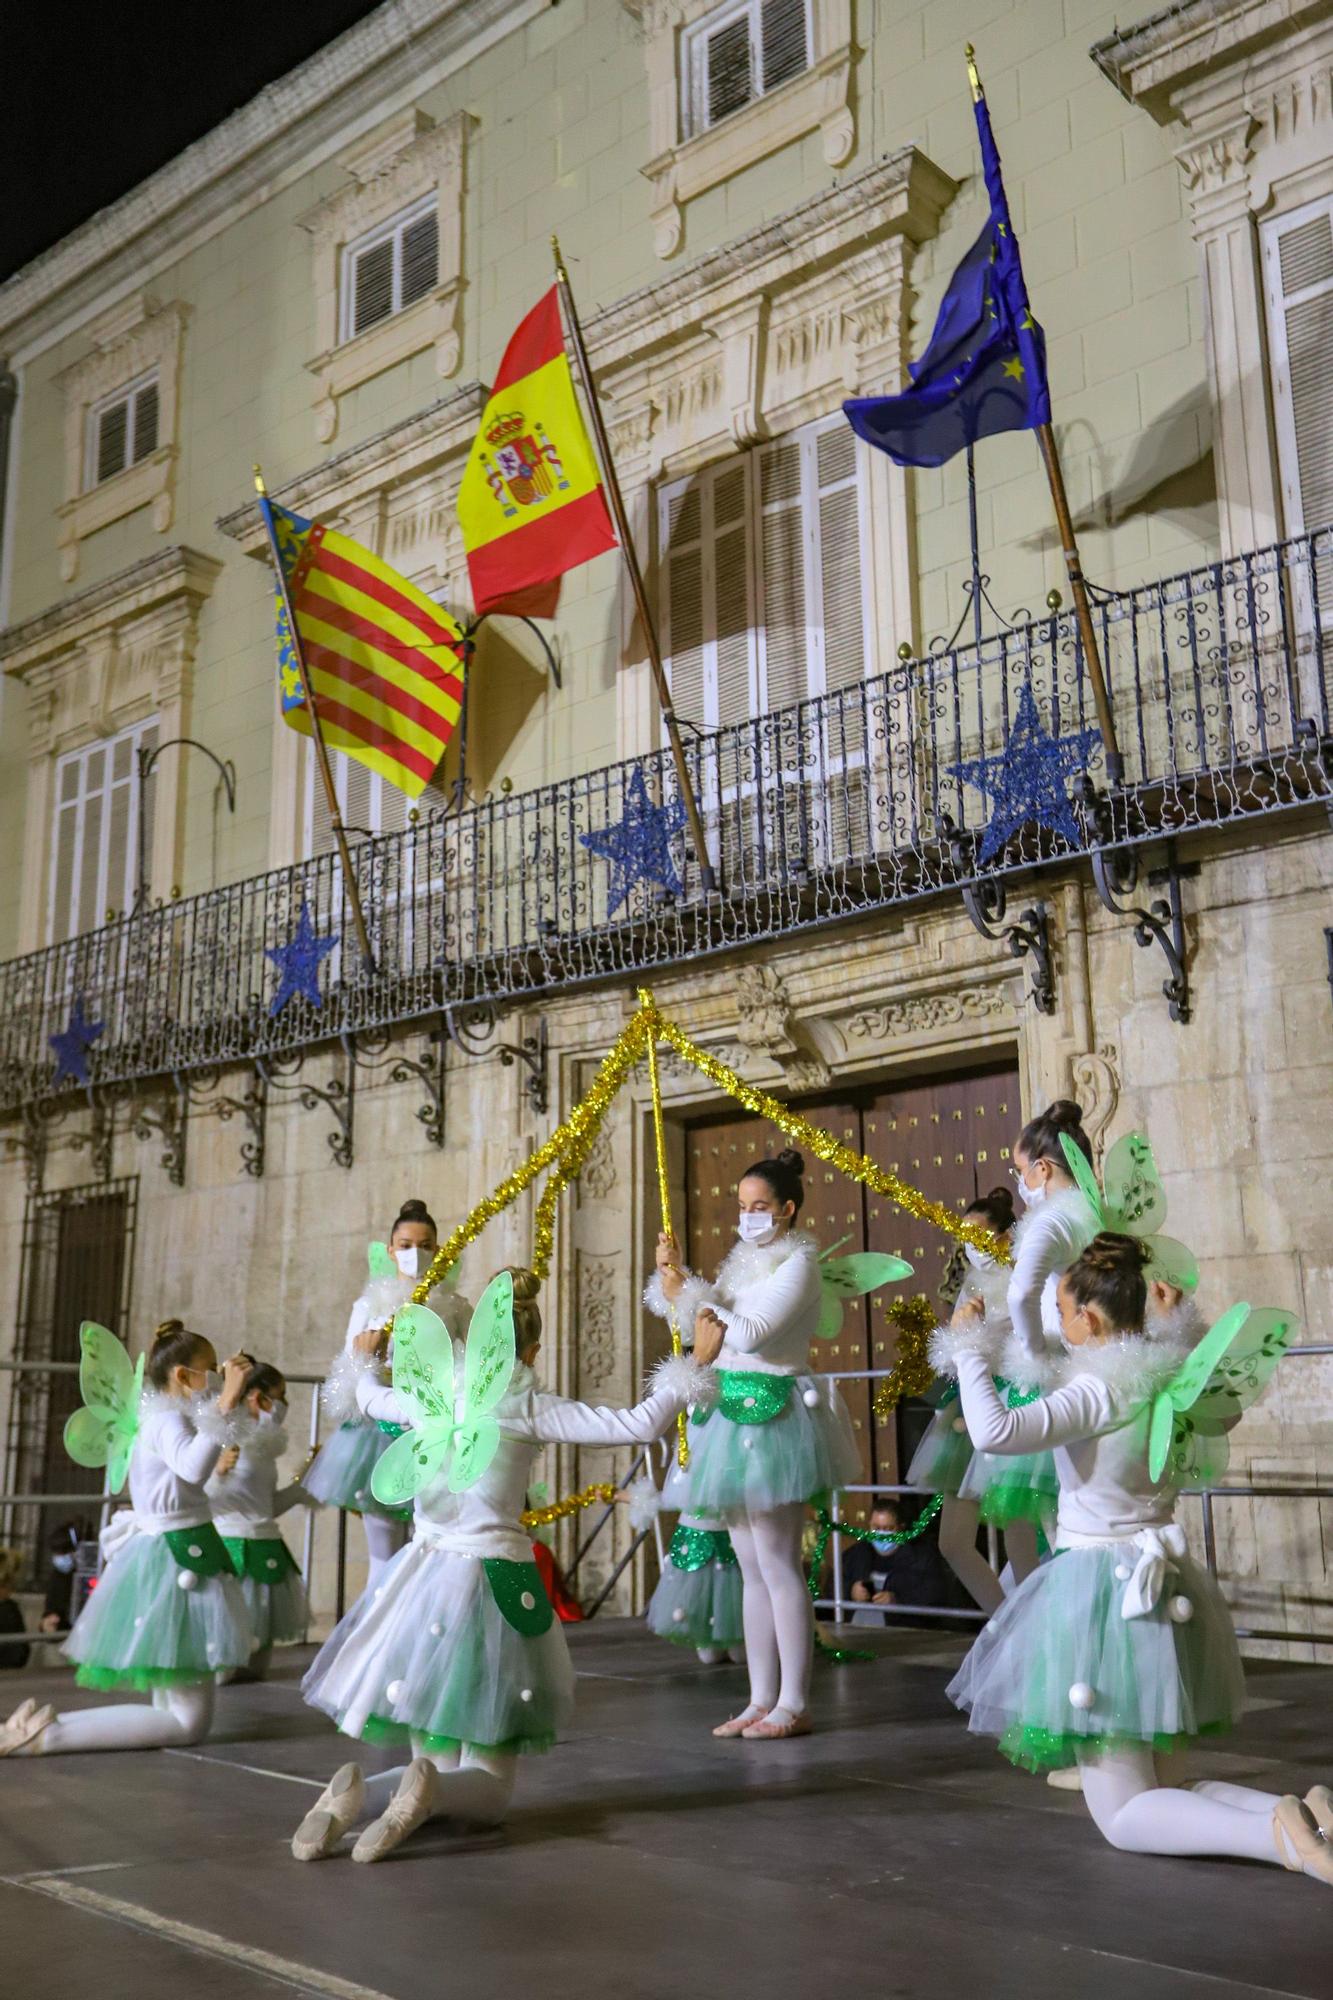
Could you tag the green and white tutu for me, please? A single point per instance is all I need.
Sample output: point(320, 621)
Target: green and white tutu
point(271, 1585)
point(429, 1655)
point(1012, 1489)
point(768, 1441)
point(697, 1601)
point(144, 1628)
point(1059, 1669)
point(339, 1475)
point(941, 1461)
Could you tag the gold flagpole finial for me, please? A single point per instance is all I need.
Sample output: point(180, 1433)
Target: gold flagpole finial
point(972, 76)
point(259, 482)
point(561, 274)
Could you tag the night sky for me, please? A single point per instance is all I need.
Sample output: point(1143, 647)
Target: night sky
point(95, 97)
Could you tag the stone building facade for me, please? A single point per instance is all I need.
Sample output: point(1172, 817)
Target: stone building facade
point(745, 258)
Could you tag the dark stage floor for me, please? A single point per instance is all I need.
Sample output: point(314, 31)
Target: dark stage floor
point(886, 1855)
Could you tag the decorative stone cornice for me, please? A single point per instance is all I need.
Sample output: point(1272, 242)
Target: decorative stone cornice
point(1153, 62)
point(391, 58)
point(177, 573)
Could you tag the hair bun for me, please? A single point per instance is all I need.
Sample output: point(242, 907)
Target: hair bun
point(791, 1160)
point(1110, 1251)
point(167, 1329)
point(414, 1210)
point(526, 1283)
point(1065, 1114)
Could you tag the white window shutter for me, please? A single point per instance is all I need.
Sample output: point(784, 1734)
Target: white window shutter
point(112, 441)
point(733, 614)
point(783, 551)
point(1298, 259)
point(63, 919)
point(727, 82)
point(145, 421)
point(147, 740)
point(841, 581)
point(680, 516)
point(119, 825)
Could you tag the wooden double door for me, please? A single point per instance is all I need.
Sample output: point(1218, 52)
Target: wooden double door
point(950, 1136)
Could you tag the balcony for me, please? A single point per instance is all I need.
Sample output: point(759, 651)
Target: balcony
point(815, 814)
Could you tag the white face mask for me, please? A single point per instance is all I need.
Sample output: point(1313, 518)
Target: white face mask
point(63, 1563)
point(410, 1262)
point(1031, 1197)
point(978, 1259)
point(274, 1418)
point(756, 1227)
point(212, 1384)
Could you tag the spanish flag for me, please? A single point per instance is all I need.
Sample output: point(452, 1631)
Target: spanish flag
point(531, 503)
point(385, 663)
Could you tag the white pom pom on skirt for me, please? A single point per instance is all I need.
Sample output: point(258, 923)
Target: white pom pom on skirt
point(808, 1448)
point(139, 1629)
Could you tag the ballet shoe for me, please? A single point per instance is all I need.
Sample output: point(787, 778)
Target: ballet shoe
point(1068, 1778)
point(709, 1656)
point(338, 1805)
point(409, 1808)
point(1320, 1801)
point(26, 1726)
point(1297, 1839)
point(736, 1655)
point(738, 1724)
point(766, 1730)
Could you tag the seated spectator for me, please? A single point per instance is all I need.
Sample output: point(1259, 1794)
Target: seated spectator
point(11, 1613)
point(881, 1572)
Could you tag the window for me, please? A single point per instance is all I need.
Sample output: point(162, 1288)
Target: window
point(1298, 262)
point(368, 803)
point(390, 268)
point(122, 431)
point(765, 603)
point(94, 851)
point(741, 52)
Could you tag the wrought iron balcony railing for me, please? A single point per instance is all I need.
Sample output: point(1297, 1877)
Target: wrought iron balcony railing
point(822, 812)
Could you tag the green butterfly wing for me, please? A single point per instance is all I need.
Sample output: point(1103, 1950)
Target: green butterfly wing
point(412, 1462)
point(1172, 1263)
point(475, 1445)
point(106, 1375)
point(381, 1260)
point(423, 1365)
point(852, 1277)
point(90, 1437)
point(127, 1427)
point(1187, 1385)
point(1135, 1200)
point(1081, 1168)
point(490, 1354)
point(103, 1432)
point(1161, 1429)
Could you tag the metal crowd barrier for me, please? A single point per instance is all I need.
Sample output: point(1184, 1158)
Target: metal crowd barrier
point(842, 1607)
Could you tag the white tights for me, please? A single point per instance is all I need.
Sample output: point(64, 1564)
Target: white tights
point(958, 1546)
point(469, 1783)
point(383, 1541)
point(776, 1610)
point(1139, 1816)
point(175, 1716)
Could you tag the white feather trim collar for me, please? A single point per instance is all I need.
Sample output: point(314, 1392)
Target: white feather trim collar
point(747, 1264)
point(1069, 1202)
point(1132, 1366)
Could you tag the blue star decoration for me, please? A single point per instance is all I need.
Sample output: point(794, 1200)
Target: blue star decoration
point(299, 961)
point(72, 1044)
point(1025, 783)
point(639, 846)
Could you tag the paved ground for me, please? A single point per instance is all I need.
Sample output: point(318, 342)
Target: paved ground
point(643, 1861)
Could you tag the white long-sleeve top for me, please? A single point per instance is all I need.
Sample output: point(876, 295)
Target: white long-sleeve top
point(248, 1500)
point(1047, 1241)
point(767, 1295)
point(484, 1521)
point(376, 1305)
point(1096, 1424)
point(177, 1446)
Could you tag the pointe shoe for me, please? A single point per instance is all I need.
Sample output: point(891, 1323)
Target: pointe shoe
point(766, 1730)
point(336, 1808)
point(1296, 1837)
point(1067, 1779)
point(1320, 1801)
point(20, 1735)
point(410, 1806)
point(738, 1724)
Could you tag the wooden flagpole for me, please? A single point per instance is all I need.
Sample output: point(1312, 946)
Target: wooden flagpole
point(696, 826)
point(1078, 589)
point(321, 748)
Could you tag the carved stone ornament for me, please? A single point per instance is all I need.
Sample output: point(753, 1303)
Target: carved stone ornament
point(767, 1027)
point(1096, 1084)
point(924, 1011)
point(599, 1169)
point(597, 1320)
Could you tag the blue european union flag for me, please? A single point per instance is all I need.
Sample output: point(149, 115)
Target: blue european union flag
point(984, 370)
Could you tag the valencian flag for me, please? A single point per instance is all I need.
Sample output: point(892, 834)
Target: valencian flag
point(385, 663)
point(531, 503)
point(985, 368)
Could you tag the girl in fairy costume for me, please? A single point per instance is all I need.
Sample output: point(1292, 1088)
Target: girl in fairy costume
point(341, 1471)
point(697, 1601)
point(944, 1457)
point(1121, 1649)
point(457, 1653)
point(779, 1434)
point(247, 1502)
point(168, 1615)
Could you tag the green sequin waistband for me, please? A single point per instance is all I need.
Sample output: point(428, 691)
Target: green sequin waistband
point(695, 1548)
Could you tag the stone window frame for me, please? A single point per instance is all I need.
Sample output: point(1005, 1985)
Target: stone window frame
point(139, 339)
point(681, 168)
point(693, 120)
point(118, 653)
point(395, 169)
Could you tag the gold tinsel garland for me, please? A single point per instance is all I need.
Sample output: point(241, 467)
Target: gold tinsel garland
point(911, 1373)
point(559, 1510)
